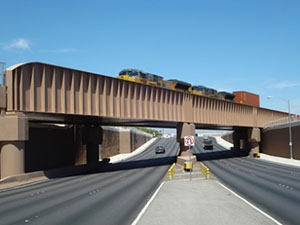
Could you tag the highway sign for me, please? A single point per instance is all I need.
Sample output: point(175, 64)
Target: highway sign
point(189, 140)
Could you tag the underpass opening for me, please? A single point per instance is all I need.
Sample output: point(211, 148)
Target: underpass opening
point(69, 145)
point(52, 146)
point(221, 144)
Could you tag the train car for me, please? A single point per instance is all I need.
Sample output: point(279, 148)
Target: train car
point(139, 76)
point(212, 92)
point(198, 90)
point(226, 95)
point(180, 85)
point(203, 91)
point(167, 84)
point(247, 98)
point(154, 79)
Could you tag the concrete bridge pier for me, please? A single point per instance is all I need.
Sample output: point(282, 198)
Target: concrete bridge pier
point(14, 133)
point(12, 158)
point(185, 129)
point(240, 139)
point(247, 139)
point(92, 138)
point(254, 139)
point(236, 140)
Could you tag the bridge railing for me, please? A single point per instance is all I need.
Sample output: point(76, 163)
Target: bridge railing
point(281, 121)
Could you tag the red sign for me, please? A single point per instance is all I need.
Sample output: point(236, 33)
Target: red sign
point(189, 140)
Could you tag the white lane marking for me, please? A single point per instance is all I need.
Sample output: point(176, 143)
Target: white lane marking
point(285, 186)
point(253, 206)
point(147, 205)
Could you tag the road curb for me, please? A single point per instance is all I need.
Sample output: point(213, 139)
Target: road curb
point(122, 157)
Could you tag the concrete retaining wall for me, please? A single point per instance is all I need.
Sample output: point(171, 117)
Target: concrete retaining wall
point(275, 141)
point(121, 141)
point(111, 142)
point(138, 138)
point(228, 137)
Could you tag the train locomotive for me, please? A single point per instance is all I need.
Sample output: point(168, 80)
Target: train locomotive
point(139, 76)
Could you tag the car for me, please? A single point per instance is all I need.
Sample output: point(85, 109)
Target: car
point(207, 143)
point(160, 149)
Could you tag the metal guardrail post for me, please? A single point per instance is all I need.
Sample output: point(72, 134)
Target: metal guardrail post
point(205, 170)
point(171, 171)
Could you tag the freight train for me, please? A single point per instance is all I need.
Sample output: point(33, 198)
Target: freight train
point(139, 76)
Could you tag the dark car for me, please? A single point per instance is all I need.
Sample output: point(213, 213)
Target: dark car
point(160, 149)
point(207, 143)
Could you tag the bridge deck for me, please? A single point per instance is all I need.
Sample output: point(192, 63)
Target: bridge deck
point(43, 88)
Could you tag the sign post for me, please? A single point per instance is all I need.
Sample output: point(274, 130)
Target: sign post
point(189, 141)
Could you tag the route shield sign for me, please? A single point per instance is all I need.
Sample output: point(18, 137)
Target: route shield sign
point(189, 140)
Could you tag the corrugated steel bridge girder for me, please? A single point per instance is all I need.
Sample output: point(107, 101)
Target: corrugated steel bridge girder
point(43, 88)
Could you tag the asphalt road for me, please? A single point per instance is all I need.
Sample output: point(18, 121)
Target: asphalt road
point(272, 187)
point(112, 194)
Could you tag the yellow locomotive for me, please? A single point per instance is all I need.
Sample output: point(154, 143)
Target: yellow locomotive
point(203, 91)
point(139, 76)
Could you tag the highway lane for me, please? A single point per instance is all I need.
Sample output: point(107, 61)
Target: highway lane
point(115, 195)
point(272, 187)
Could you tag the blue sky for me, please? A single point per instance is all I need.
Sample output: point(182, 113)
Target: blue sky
point(227, 45)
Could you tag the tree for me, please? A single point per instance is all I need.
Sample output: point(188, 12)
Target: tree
point(153, 132)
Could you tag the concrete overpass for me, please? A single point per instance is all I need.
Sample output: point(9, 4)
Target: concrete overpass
point(38, 92)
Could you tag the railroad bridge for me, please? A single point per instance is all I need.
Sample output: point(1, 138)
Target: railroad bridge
point(36, 93)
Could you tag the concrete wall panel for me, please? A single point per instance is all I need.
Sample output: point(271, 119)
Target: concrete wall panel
point(111, 143)
point(125, 142)
point(13, 128)
point(275, 142)
point(138, 139)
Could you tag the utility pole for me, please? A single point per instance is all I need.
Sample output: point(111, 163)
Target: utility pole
point(290, 132)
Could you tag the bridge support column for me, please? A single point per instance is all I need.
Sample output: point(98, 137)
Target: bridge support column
point(14, 133)
point(240, 140)
point(12, 158)
point(247, 139)
point(236, 140)
point(254, 138)
point(185, 129)
point(80, 147)
point(92, 137)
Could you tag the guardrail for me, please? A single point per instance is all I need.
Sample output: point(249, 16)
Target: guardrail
point(171, 171)
point(281, 121)
point(205, 170)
